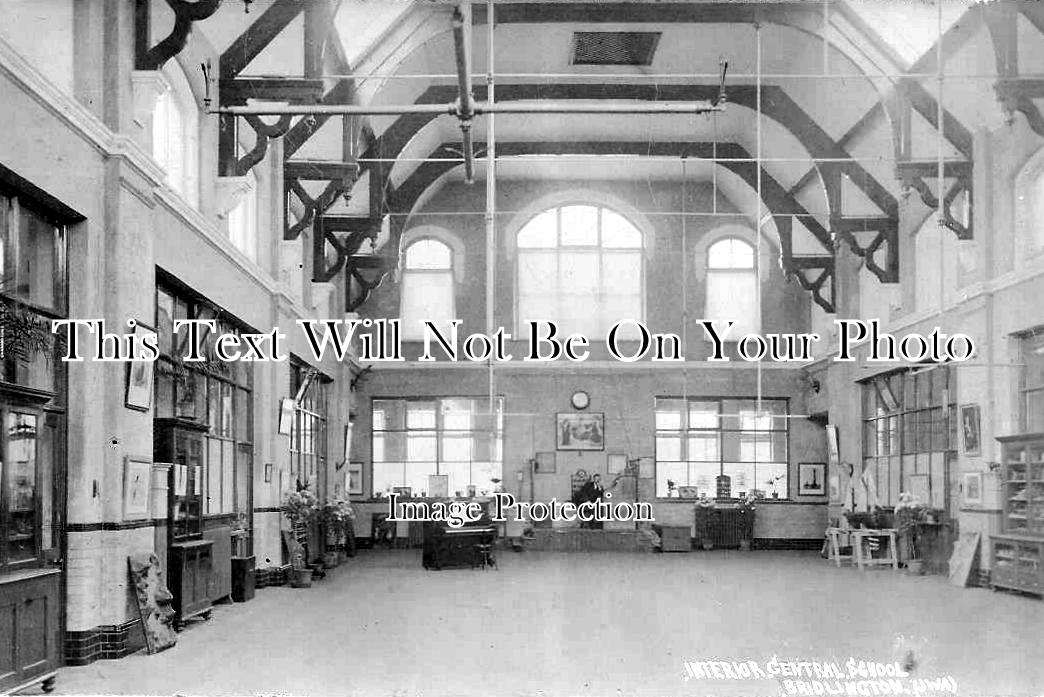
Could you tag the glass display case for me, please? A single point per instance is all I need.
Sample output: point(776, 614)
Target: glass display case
point(1018, 552)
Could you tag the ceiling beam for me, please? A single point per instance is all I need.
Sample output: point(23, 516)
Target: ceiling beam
point(776, 104)
point(259, 35)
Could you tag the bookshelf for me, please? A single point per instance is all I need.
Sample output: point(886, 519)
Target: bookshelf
point(1018, 552)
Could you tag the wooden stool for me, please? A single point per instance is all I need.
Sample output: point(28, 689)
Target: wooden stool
point(486, 555)
point(865, 558)
point(834, 537)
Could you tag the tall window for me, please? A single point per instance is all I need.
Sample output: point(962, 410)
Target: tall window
point(732, 287)
point(427, 287)
point(175, 135)
point(699, 439)
point(455, 436)
point(909, 424)
point(32, 384)
point(308, 431)
point(1032, 383)
point(242, 220)
point(213, 393)
point(580, 267)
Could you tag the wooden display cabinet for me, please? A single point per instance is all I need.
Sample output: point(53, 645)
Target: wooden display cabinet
point(190, 558)
point(1017, 560)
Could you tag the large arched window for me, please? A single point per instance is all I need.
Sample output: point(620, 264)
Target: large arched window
point(427, 287)
point(732, 287)
point(580, 266)
point(175, 135)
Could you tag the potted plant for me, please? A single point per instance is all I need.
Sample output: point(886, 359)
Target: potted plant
point(335, 517)
point(910, 512)
point(300, 508)
point(746, 515)
point(706, 521)
point(773, 482)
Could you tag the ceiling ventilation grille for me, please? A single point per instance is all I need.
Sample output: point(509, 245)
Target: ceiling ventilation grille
point(614, 47)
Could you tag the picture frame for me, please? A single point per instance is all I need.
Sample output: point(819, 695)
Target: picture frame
point(972, 487)
point(580, 431)
point(812, 478)
point(544, 463)
point(286, 416)
point(137, 486)
point(971, 434)
point(354, 479)
point(616, 463)
point(268, 472)
point(140, 373)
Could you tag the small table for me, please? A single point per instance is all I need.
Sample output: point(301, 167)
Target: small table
point(834, 545)
point(864, 556)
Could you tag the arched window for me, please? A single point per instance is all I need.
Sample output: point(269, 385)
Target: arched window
point(427, 287)
point(732, 287)
point(581, 267)
point(242, 220)
point(175, 135)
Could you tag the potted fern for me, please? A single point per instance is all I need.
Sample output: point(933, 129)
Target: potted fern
point(910, 512)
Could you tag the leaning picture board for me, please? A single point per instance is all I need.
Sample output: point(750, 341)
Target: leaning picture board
point(962, 561)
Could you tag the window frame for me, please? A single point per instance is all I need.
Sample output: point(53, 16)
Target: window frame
point(439, 432)
point(685, 432)
point(753, 272)
point(600, 207)
point(901, 427)
point(450, 271)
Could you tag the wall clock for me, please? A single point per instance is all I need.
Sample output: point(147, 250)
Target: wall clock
point(580, 400)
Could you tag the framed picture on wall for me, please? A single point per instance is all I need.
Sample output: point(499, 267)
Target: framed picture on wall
point(812, 478)
point(355, 478)
point(545, 463)
point(138, 395)
point(972, 486)
point(286, 416)
point(580, 431)
point(970, 429)
point(137, 472)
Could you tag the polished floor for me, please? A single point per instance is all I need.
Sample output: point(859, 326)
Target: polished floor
point(584, 624)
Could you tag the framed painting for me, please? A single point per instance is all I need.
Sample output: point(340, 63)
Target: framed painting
point(973, 488)
point(355, 478)
point(970, 429)
point(545, 463)
point(580, 431)
point(137, 473)
point(138, 395)
point(812, 478)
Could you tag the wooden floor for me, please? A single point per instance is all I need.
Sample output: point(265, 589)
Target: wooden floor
point(584, 624)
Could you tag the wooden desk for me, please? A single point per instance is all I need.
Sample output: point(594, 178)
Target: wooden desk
point(864, 555)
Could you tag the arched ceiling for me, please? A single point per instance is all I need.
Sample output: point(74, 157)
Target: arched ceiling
point(841, 148)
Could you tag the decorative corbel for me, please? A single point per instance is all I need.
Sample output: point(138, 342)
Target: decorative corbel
point(147, 86)
point(185, 14)
point(230, 191)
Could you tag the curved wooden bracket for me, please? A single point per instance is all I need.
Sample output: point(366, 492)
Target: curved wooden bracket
point(185, 14)
point(265, 133)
